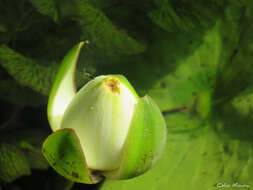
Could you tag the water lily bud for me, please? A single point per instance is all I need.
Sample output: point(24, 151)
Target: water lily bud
point(101, 113)
point(104, 129)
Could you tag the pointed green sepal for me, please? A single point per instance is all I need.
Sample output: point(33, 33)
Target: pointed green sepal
point(63, 89)
point(145, 141)
point(63, 152)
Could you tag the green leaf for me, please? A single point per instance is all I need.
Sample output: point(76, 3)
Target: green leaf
point(15, 18)
point(63, 152)
point(111, 42)
point(46, 7)
point(193, 161)
point(236, 74)
point(13, 163)
point(26, 71)
point(207, 104)
point(185, 15)
point(106, 39)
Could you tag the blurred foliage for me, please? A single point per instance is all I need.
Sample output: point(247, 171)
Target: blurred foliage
point(13, 163)
point(194, 58)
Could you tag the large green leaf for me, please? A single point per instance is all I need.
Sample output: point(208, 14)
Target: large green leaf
point(207, 104)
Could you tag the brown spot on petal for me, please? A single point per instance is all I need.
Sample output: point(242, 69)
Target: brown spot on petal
point(113, 85)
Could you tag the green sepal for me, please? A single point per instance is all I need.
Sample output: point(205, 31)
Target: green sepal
point(64, 87)
point(143, 144)
point(63, 152)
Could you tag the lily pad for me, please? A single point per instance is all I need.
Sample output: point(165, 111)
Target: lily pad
point(206, 102)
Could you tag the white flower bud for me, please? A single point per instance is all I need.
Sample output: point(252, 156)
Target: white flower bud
point(101, 113)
